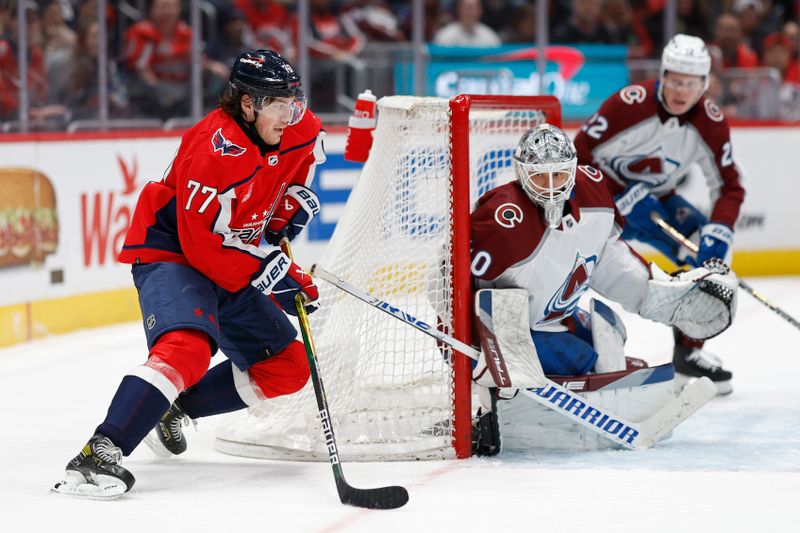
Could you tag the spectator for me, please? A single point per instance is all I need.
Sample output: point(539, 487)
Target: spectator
point(618, 22)
point(434, 19)
point(270, 22)
point(9, 66)
point(333, 37)
point(59, 47)
point(157, 54)
point(728, 50)
point(778, 55)
point(82, 91)
point(375, 20)
point(791, 31)
point(522, 27)
point(750, 13)
point(87, 14)
point(583, 25)
point(692, 19)
point(234, 37)
point(467, 30)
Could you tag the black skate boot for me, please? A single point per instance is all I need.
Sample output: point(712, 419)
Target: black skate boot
point(167, 437)
point(691, 361)
point(486, 429)
point(95, 472)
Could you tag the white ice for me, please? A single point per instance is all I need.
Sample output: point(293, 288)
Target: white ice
point(734, 466)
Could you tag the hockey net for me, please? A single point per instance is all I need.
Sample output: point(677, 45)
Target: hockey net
point(394, 394)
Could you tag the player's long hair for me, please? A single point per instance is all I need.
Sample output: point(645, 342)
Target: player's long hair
point(230, 100)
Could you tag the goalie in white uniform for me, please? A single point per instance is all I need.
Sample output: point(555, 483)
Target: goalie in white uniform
point(555, 232)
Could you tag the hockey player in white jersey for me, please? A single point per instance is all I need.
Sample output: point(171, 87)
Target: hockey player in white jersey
point(556, 232)
point(645, 138)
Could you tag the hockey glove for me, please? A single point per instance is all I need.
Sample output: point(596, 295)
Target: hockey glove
point(701, 302)
point(715, 242)
point(298, 206)
point(284, 279)
point(636, 204)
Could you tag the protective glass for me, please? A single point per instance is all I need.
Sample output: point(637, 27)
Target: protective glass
point(291, 112)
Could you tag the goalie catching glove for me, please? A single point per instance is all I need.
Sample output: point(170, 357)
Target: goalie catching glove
point(298, 206)
point(701, 302)
point(284, 279)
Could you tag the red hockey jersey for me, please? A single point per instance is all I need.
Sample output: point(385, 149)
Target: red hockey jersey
point(212, 206)
point(632, 138)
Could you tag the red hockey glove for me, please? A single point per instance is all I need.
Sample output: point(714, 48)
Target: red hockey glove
point(296, 209)
point(284, 279)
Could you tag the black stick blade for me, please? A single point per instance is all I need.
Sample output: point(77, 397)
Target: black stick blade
point(380, 498)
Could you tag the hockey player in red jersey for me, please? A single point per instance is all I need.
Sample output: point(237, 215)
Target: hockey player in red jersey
point(645, 138)
point(556, 232)
point(240, 174)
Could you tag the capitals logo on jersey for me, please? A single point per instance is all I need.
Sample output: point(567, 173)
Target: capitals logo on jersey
point(221, 144)
point(653, 169)
point(566, 298)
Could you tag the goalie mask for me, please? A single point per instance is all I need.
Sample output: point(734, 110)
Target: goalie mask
point(545, 161)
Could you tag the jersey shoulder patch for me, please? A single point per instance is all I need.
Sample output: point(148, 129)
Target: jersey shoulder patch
point(225, 146)
point(713, 111)
point(633, 94)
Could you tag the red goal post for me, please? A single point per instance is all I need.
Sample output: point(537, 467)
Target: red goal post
point(394, 393)
point(460, 108)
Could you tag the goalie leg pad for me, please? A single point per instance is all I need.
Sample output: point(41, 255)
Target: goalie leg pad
point(508, 356)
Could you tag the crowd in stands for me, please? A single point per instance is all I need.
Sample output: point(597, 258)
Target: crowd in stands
point(149, 64)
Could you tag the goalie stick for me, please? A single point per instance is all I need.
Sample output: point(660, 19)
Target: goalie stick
point(632, 435)
point(378, 498)
point(681, 239)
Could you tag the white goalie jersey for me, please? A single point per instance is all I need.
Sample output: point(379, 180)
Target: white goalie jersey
point(513, 247)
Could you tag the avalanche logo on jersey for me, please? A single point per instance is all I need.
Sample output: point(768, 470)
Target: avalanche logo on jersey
point(566, 298)
point(221, 144)
point(654, 168)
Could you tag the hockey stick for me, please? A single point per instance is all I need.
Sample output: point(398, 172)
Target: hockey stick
point(692, 247)
point(633, 435)
point(379, 498)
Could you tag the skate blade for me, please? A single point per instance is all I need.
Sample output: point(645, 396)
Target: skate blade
point(76, 486)
point(154, 443)
point(681, 381)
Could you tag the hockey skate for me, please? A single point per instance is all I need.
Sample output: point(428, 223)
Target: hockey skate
point(95, 472)
point(692, 362)
point(167, 438)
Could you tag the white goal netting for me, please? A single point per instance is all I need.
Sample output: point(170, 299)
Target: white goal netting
point(389, 387)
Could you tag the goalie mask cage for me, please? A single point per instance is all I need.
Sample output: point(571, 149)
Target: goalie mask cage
point(394, 393)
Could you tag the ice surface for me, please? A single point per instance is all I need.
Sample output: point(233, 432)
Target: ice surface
point(734, 466)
